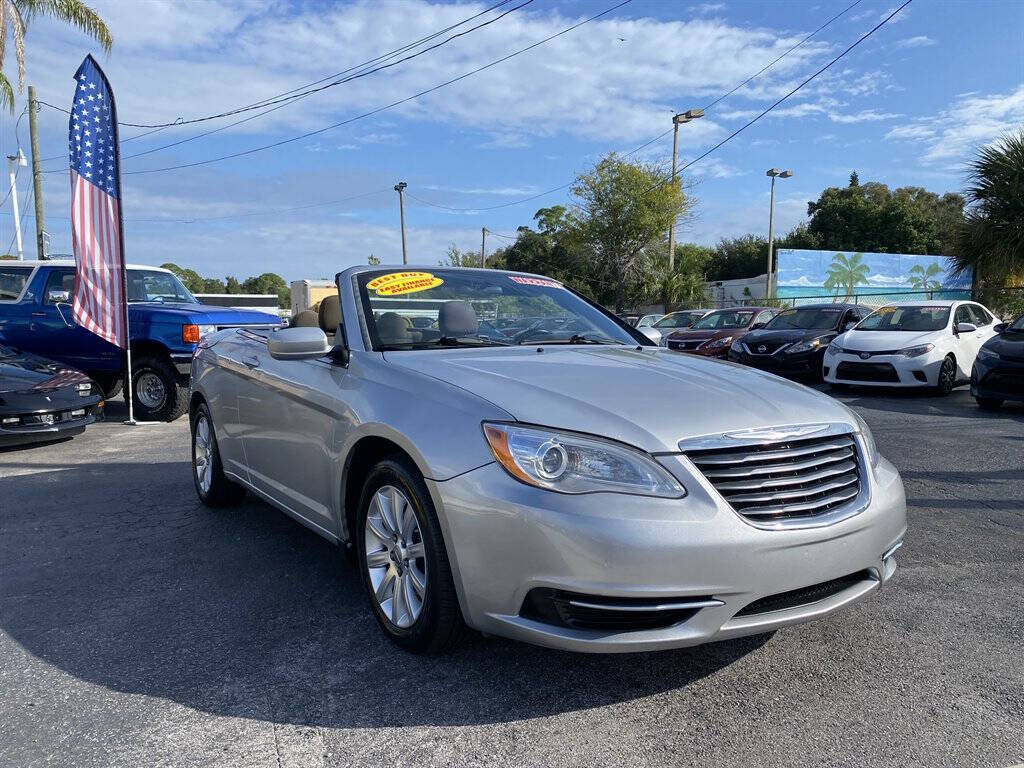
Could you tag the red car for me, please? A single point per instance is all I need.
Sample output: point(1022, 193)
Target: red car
point(712, 335)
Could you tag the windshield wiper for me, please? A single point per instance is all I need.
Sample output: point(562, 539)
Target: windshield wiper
point(579, 338)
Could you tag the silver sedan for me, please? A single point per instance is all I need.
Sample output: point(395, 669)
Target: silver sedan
point(567, 484)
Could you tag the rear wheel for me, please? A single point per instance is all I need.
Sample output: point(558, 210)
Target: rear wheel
point(989, 403)
point(157, 394)
point(212, 485)
point(403, 561)
point(947, 377)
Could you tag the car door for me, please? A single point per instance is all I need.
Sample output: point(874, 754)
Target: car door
point(62, 338)
point(289, 412)
point(986, 323)
point(967, 344)
point(15, 315)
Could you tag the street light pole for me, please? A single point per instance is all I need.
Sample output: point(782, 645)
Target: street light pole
point(400, 188)
point(773, 172)
point(677, 120)
point(483, 247)
point(13, 163)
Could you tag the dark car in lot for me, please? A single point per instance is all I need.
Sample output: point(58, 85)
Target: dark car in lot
point(712, 334)
point(998, 372)
point(41, 400)
point(793, 342)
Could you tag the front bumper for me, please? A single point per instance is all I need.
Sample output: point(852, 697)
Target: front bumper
point(883, 370)
point(800, 364)
point(505, 539)
point(999, 379)
point(62, 427)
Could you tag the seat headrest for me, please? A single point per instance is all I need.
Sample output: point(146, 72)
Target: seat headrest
point(457, 318)
point(329, 315)
point(392, 329)
point(307, 318)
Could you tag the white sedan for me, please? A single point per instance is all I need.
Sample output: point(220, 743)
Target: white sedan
point(646, 326)
point(911, 344)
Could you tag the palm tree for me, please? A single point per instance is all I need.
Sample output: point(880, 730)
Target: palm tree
point(992, 237)
point(921, 278)
point(17, 14)
point(846, 272)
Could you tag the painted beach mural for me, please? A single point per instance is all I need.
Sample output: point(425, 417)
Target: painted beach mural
point(869, 278)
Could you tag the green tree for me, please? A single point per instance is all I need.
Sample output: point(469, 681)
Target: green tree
point(991, 239)
point(921, 278)
point(846, 272)
point(686, 282)
point(269, 282)
point(231, 285)
point(456, 258)
point(213, 285)
point(17, 14)
point(372, 260)
point(623, 211)
point(739, 257)
point(189, 277)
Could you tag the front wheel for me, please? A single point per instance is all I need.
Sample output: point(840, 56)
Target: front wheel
point(403, 561)
point(212, 485)
point(157, 394)
point(947, 377)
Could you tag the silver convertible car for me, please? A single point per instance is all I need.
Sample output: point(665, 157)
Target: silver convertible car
point(499, 452)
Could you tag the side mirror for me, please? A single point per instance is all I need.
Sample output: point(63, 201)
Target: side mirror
point(999, 327)
point(966, 327)
point(57, 296)
point(849, 325)
point(297, 343)
point(755, 326)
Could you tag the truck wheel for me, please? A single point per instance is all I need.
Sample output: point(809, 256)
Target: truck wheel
point(403, 560)
point(156, 393)
point(212, 485)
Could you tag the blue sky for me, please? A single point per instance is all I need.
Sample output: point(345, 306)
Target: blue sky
point(906, 107)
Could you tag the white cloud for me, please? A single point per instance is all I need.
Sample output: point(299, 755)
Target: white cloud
point(707, 8)
point(971, 120)
point(917, 41)
point(803, 282)
point(886, 280)
point(866, 116)
point(500, 191)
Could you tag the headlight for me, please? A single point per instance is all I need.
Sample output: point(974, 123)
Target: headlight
point(834, 347)
point(570, 463)
point(718, 343)
point(869, 439)
point(924, 349)
point(805, 346)
point(737, 346)
point(206, 330)
point(987, 354)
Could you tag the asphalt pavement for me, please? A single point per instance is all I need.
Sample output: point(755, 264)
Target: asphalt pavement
point(138, 628)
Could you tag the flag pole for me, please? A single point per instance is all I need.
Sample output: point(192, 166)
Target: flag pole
point(120, 241)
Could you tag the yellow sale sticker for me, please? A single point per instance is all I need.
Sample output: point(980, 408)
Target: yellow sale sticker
point(397, 283)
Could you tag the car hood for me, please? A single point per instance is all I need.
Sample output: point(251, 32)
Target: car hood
point(23, 372)
point(203, 314)
point(880, 341)
point(650, 398)
point(785, 336)
point(1008, 343)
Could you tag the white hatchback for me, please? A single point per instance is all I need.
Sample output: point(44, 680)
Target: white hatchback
point(911, 344)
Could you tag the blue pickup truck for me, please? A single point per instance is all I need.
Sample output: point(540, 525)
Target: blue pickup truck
point(166, 323)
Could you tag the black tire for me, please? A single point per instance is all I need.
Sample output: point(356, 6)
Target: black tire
point(989, 403)
point(439, 625)
point(221, 491)
point(947, 377)
point(163, 396)
point(111, 385)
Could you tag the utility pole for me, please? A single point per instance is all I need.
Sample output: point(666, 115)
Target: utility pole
point(773, 172)
point(483, 247)
point(37, 171)
point(677, 120)
point(13, 163)
point(400, 188)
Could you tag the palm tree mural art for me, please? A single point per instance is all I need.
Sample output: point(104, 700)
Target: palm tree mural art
point(921, 278)
point(845, 272)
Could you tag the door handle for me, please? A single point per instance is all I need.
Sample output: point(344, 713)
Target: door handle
point(251, 361)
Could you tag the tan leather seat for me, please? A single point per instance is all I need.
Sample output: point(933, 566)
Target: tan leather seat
point(306, 319)
point(329, 316)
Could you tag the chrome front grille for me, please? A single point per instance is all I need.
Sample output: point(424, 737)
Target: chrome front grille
point(784, 480)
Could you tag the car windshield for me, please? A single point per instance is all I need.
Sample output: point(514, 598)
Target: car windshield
point(723, 319)
point(152, 285)
point(922, 317)
point(455, 308)
point(1018, 324)
point(677, 320)
point(806, 319)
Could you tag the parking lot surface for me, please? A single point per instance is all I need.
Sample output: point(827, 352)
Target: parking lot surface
point(138, 628)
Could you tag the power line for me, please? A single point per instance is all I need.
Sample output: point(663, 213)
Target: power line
point(393, 104)
point(660, 136)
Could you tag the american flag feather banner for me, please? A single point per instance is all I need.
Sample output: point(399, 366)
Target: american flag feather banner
point(96, 234)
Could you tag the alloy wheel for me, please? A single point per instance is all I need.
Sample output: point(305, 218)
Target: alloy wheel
point(395, 556)
point(947, 375)
point(203, 452)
